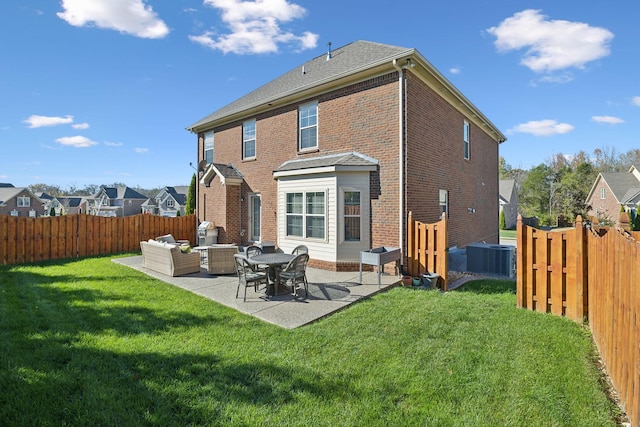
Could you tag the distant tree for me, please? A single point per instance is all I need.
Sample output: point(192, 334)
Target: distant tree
point(178, 212)
point(573, 189)
point(504, 168)
point(636, 222)
point(52, 190)
point(630, 158)
point(537, 192)
point(191, 197)
point(52, 211)
point(503, 221)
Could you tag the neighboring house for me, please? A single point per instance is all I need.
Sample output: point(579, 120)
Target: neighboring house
point(19, 201)
point(115, 201)
point(508, 192)
point(335, 153)
point(62, 205)
point(168, 202)
point(611, 190)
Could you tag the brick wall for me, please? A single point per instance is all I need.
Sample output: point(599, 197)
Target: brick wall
point(435, 160)
point(609, 207)
point(364, 117)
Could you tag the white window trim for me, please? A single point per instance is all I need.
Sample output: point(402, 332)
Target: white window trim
point(466, 136)
point(305, 215)
point(204, 145)
point(245, 140)
point(344, 216)
point(300, 128)
point(442, 192)
point(21, 201)
point(252, 234)
point(603, 193)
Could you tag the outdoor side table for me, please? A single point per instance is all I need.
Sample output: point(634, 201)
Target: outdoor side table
point(379, 257)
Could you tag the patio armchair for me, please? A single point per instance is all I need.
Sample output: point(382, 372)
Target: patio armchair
point(296, 272)
point(247, 276)
point(220, 259)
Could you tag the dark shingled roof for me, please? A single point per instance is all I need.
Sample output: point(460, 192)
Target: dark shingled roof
point(342, 159)
point(345, 60)
point(622, 184)
point(228, 170)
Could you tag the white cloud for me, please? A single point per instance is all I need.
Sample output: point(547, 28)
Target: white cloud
point(80, 126)
point(636, 100)
point(126, 16)
point(557, 78)
point(35, 121)
point(551, 44)
point(255, 27)
point(112, 144)
point(141, 150)
point(76, 141)
point(542, 128)
point(607, 119)
point(455, 70)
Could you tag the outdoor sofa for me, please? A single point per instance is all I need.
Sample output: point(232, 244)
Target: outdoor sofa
point(167, 258)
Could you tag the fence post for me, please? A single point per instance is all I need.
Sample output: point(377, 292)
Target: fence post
point(443, 251)
point(521, 251)
point(581, 273)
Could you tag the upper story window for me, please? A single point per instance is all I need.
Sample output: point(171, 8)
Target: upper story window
point(466, 140)
point(603, 193)
point(308, 126)
point(170, 203)
point(208, 146)
point(306, 215)
point(249, 139)
point(24, 201)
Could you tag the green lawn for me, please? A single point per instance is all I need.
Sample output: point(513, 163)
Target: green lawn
point(511, 234)
point(91, 342)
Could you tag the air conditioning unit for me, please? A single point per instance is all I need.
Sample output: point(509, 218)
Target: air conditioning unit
point(491, 259)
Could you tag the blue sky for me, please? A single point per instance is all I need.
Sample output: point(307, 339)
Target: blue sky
point(101, 91)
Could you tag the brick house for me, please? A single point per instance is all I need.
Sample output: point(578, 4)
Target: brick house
point(612, 190)
point(170, 201)
point(335, 153)
point(19, 201)
point(115, 202)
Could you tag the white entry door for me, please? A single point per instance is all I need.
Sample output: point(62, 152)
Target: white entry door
point(254, 217)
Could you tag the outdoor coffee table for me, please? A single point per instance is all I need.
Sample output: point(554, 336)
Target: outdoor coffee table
point(275, 261)
point(203, 253)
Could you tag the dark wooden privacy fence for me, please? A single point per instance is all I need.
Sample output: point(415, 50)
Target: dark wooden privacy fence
point(593, 274)
point(26, 240)
point(427, 249)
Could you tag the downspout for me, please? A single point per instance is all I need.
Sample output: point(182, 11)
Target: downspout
point(401, 165)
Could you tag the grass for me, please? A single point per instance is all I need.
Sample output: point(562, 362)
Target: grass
point(91, 342)
point(511, 234)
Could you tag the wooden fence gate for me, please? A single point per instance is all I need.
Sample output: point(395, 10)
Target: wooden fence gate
point(427, 249)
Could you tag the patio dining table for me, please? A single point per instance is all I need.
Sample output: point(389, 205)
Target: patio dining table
point(275, 261)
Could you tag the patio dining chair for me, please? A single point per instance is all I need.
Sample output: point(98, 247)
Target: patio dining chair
point(252, 251)
point(296, 272)
point(300, 249)
point(247, 276)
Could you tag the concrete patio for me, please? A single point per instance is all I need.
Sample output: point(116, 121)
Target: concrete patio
point(329, 291)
